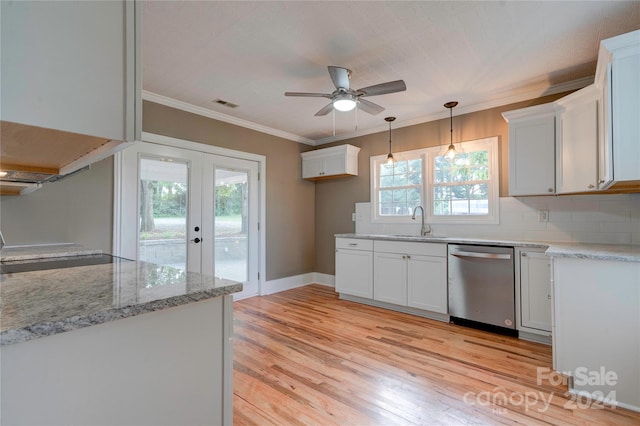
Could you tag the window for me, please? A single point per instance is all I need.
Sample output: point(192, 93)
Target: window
point(398, 187)
point(464, 190)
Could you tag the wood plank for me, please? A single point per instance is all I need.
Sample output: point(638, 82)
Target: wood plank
point(305, 357)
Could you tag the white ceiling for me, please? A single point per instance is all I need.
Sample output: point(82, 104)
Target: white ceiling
point(479, 53)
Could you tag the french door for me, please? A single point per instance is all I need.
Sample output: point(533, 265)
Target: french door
point(192, 211)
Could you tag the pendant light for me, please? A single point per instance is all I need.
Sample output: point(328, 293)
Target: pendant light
point(390, 159)
point(451, 150)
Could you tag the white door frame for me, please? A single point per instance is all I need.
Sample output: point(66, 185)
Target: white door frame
point(209, 149)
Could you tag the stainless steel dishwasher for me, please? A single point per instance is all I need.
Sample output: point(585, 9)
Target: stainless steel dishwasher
point(481, 287)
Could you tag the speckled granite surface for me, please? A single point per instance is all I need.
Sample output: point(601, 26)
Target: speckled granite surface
point(12, 253)
point(41, 303)
point(623, 253)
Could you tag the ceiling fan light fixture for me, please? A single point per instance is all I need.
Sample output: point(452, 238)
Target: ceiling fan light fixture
point(344, 102)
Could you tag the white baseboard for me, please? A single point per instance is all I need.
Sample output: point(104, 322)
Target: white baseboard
point(287, 283)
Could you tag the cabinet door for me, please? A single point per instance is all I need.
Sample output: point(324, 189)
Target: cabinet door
point(354, 272)
point(390, 278)
point(532, 156)
point(535, 290)
point(625, 98)
point(577, 146)
point(334, 165)
point(70, 66)
point(427, 283)
point(312, 167)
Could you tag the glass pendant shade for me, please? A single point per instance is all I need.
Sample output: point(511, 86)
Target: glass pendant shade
point(451, 152)
point(390, 158)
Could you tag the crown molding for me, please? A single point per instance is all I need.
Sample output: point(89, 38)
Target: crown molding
point(499, 99)
point(184, 106)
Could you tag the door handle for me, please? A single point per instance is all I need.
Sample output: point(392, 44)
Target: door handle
point(196, 240)
point(482, 255)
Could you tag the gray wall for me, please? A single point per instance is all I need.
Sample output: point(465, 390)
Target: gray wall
point(335, 199)
point(76, 209)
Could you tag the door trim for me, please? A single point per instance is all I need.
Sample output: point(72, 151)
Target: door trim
point(208, 149)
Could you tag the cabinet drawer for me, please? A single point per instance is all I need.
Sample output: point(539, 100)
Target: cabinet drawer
point(425, 249)
point(354, 244)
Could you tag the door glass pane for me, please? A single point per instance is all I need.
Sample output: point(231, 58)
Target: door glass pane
point(163, 212)
point(231, 210)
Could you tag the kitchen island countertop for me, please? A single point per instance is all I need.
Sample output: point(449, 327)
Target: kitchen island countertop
point(43, 251)
point(42, 303)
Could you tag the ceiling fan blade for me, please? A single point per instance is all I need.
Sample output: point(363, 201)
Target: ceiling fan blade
point(339, 76)
point(313, 95)
point(324, 111)
point(369, 107)
point(383, 88)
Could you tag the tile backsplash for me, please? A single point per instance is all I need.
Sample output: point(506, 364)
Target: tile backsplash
point(597, 218)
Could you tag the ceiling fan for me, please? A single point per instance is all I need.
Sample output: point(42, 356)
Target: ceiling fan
point(345, 99)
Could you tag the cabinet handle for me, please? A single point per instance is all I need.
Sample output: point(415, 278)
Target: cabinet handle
point(549, 296)
point(601, 181)
point(353, 245)
point(591, 186)
point(550, 190)
point(523, 254)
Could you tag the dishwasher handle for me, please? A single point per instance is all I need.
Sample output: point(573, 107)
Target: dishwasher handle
point(481, 255)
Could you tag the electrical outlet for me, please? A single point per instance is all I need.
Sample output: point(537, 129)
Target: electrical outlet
point(543, 215)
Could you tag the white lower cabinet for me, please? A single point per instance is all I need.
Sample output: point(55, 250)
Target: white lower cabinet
point(411, 274)
point(596, 336)
point(533, 280)
point(354, 267)
point(427, 283)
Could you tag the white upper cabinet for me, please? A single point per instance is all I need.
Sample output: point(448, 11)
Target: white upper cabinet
point(71, 87)
point(71, 66)
point(336, 161)
point(532, 150)
point(618, 80)
point(577, 142)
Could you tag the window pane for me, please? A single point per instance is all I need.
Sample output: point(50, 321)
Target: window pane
point(400, 167)
point(399, 195)
point(442, 176)
point(386, 209)
point(479, 173)
point(386, 181)
point(415, 165)
point(460, 207)
point(400, 180)
point(460, 174)
point(441, 193)
point(479, 191)
point(479, 207)
point(386, 196)
point(163, 212)
point(441, 207)
point(386, 169)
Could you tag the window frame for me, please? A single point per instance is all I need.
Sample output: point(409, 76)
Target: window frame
point(375, 162)
point(428, 155)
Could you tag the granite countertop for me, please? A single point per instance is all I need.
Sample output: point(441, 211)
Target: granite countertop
point(43, 251)
point(622, 252)
point(42, 303)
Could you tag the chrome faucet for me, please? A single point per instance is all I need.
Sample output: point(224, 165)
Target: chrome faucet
point(425, 229)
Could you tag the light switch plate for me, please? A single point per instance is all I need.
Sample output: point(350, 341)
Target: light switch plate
point(543, 215)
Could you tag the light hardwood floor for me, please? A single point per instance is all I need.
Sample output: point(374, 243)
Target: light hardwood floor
point(304, 357)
